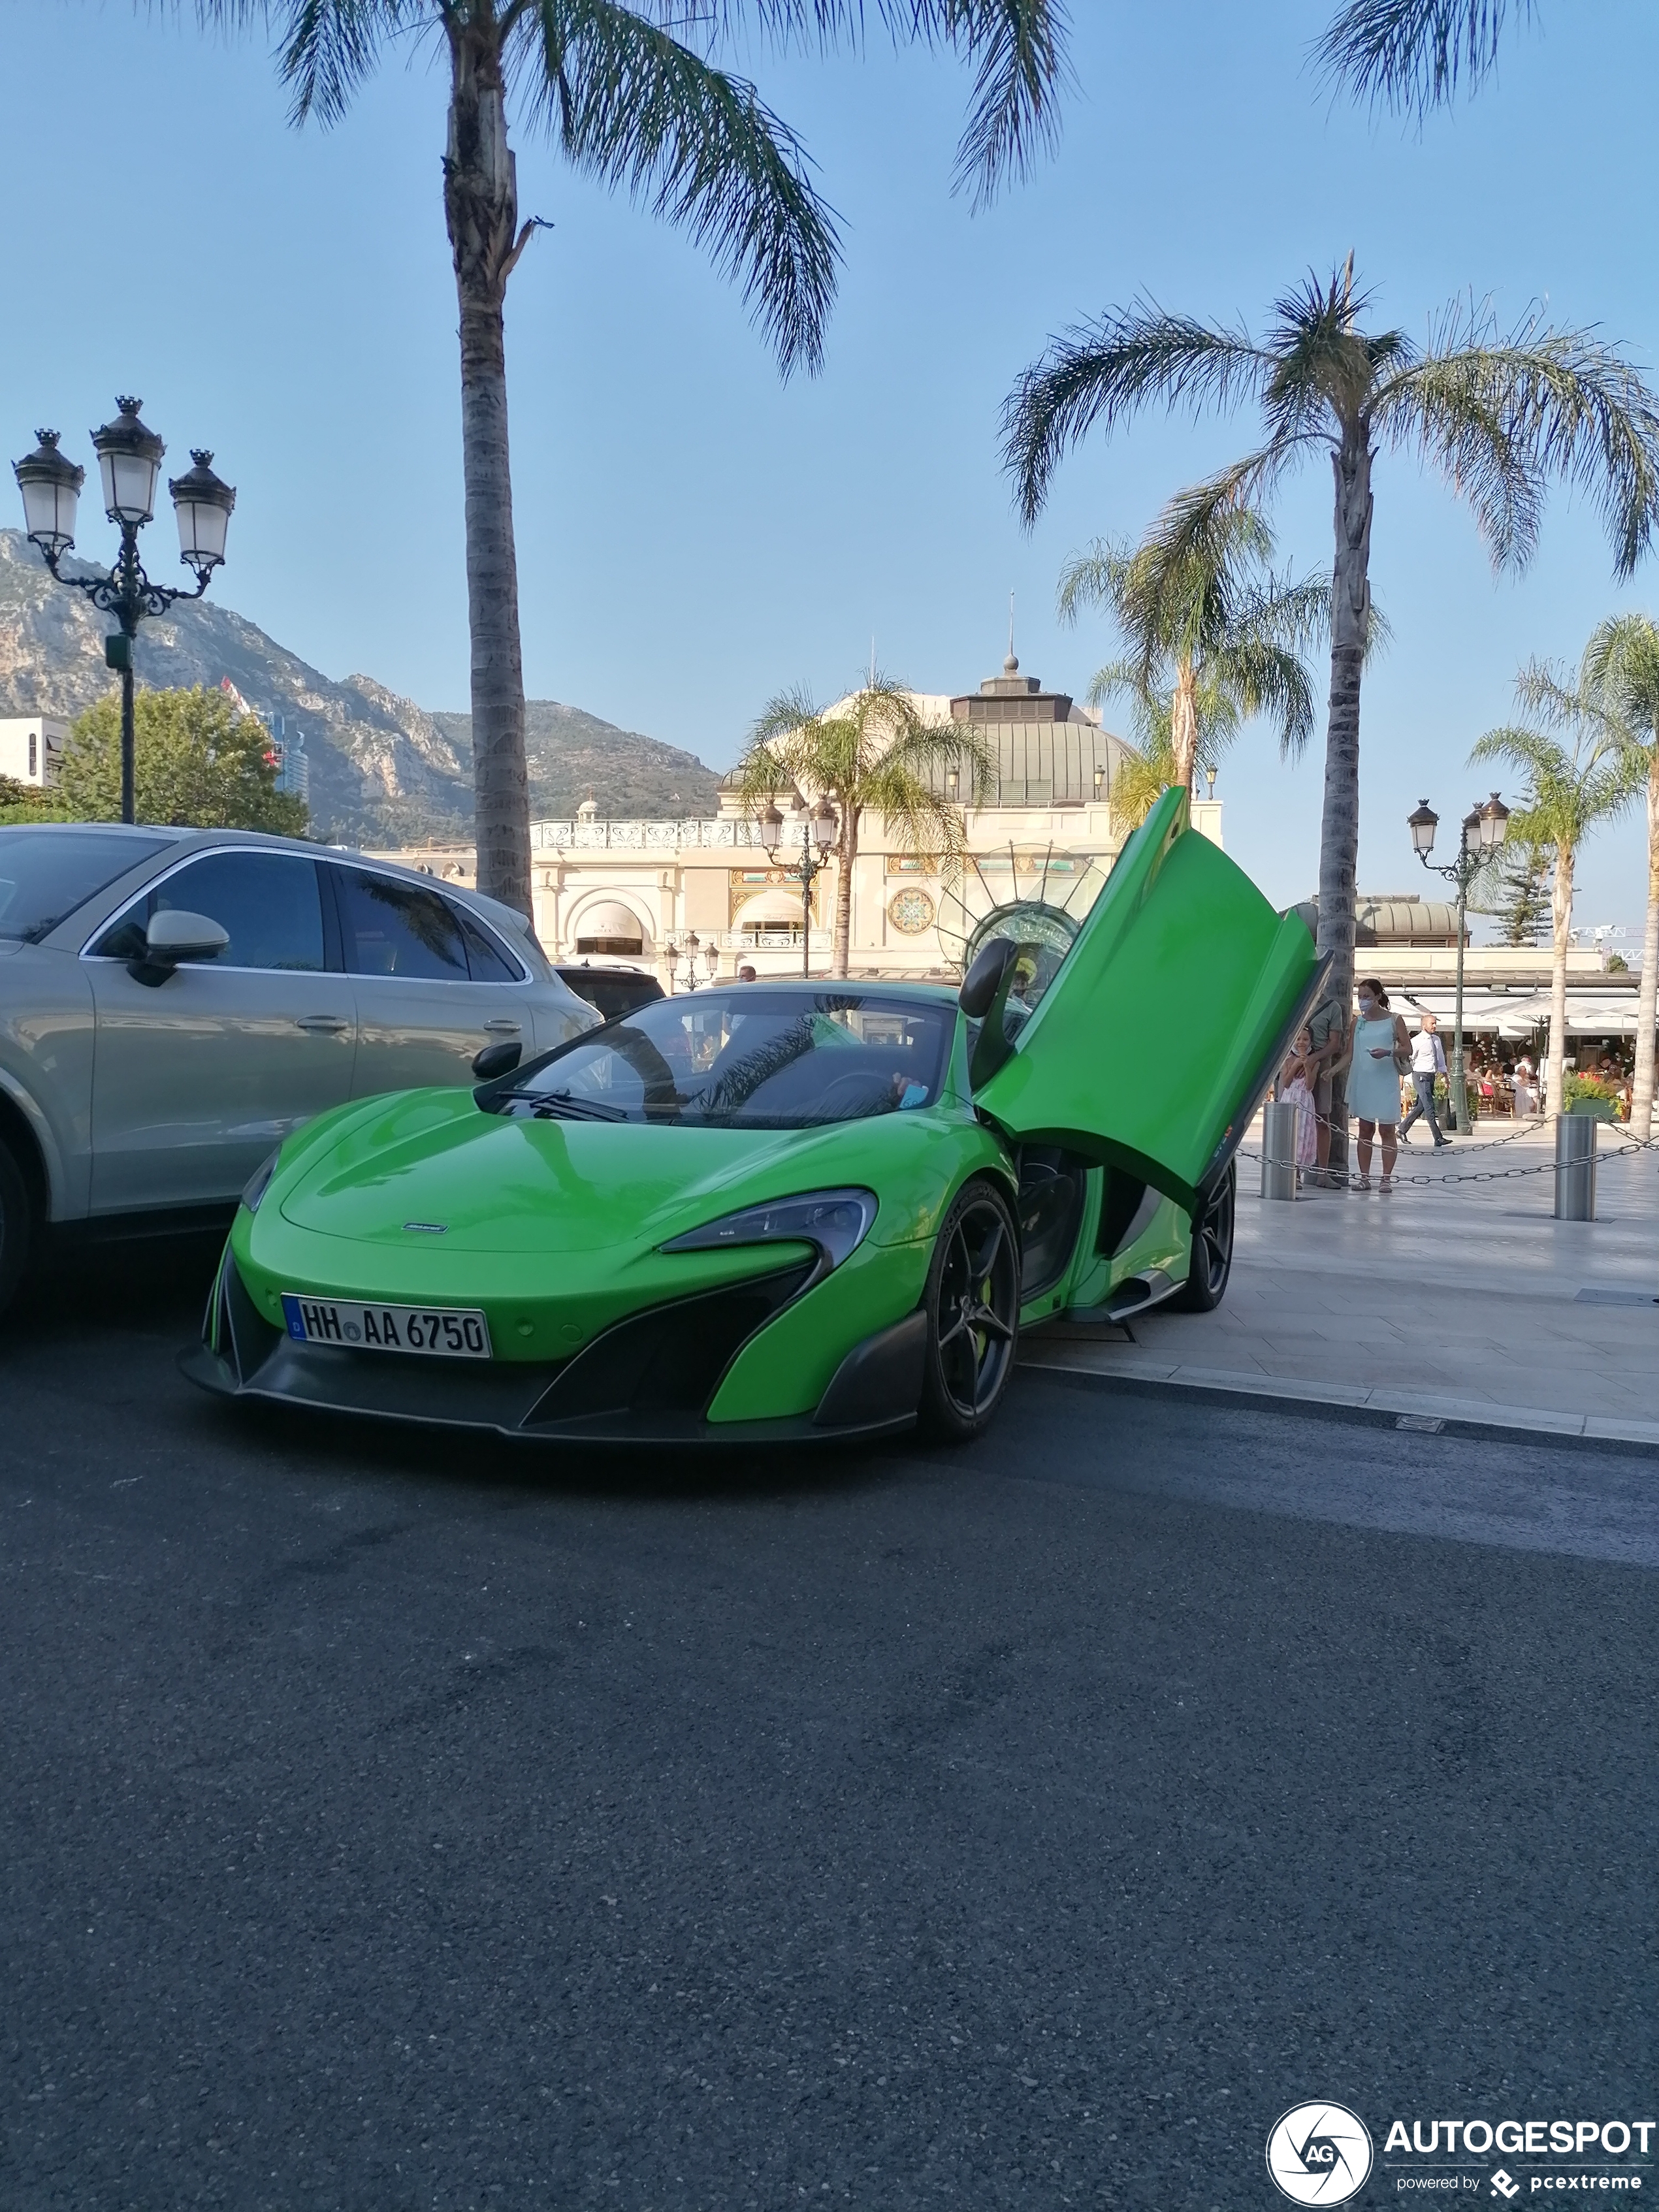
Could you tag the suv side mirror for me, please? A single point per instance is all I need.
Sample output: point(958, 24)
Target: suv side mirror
point(173, 936)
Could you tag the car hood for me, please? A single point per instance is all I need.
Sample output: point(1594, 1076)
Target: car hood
point(485, 1182)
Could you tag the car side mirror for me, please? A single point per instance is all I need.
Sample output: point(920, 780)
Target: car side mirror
point(496, 1060)
point(173, 936)
point(979, 985)
point(1003, 1022)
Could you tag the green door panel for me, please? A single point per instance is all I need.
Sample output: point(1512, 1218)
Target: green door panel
point(1158, 1032)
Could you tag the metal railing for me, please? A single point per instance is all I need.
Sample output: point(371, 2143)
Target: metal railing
point(642, 834)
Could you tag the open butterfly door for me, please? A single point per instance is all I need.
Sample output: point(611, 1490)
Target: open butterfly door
point(1157, 1035)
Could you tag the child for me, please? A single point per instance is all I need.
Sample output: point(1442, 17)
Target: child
point(1294, 1088)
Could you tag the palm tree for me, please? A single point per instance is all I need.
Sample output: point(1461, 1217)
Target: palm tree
point(1412, 53)
point(632, 95)
point(874, 751)
point(1621, 672)
point(1571, 787)
point(1498, 417)
point(1212, 636)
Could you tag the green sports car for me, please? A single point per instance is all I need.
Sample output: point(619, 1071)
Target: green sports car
point(819, 1209)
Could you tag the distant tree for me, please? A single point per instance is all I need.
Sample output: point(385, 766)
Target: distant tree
point(1572, 788)
point(27, 802)
point(873, 752)
point(1517, 889)
point(1498, 416)
point(1619, 672)
point(199, 761)
point(1211, 635)
point(634, 98)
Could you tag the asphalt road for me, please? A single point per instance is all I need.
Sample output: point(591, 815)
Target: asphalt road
point(395, 1823)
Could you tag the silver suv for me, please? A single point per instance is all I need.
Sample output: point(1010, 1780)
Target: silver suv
point(172, 1002)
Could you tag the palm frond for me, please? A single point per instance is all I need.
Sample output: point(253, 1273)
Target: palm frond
point(326, 48)
point(1018, 48)
point(1257, 675)
point(1620, 671)
point(633, 106)
point(1104, 371)
point(1325, 368)
point(1412, 54)
point(1503, 417)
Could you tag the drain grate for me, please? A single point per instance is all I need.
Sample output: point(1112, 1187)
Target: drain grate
point(1596, 1297)
point(1428, 1425)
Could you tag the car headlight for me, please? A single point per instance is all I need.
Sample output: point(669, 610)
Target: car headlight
point(835, 1221)
point(258, 1180)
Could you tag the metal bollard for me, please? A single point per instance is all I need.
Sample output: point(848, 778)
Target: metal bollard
point(1279, 1150)
point(1575, 1167)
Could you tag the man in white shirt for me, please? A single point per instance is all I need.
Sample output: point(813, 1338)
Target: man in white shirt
point(1428, 1061)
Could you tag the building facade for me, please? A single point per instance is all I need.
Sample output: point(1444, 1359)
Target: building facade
point(31, 746)
point(637, 892)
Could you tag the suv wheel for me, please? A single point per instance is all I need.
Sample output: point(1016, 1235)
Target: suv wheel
point(972, 1304)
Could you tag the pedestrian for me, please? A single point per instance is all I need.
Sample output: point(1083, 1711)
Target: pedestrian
point(1525, 1098)
point(745, 973)
point(1428, 1061)
point(1327, 1035)
point(1296, 1090)
point(1382, 1053)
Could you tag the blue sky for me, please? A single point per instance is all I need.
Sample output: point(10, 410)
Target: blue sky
point(695, 535)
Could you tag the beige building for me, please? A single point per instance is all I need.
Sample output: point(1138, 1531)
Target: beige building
point(637, 892)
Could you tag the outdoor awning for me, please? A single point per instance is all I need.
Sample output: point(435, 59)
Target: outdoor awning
point(1514, 1015)
point(768, 909)
point(612, 921)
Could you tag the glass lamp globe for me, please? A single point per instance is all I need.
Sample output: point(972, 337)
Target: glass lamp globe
point(51, 485)
point(203, 503)
point(129, 461)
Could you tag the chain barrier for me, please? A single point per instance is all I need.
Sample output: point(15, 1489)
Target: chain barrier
point(1479, 1175)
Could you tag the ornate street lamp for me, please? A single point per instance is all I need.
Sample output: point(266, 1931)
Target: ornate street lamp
point(129, 462)
point(671, 953)
point(1481, 832)
point(690, 948)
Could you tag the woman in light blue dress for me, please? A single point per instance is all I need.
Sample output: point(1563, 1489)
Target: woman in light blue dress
point(1374, 1080)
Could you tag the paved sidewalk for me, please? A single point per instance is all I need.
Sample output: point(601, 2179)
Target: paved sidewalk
point(1443, 1302)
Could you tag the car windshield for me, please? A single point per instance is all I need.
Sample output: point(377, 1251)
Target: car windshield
point(45, 873)
point(748, 1058)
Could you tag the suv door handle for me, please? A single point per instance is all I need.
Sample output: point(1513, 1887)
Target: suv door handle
point(513, 1026)
point(326, 1024)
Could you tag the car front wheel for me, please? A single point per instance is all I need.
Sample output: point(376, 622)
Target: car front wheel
point(1211, 1260)
point(972, 1303)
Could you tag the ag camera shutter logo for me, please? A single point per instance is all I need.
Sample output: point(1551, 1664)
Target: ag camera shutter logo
point(1319, 2154)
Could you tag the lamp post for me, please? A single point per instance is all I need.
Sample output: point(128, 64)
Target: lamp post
point(817, 835)
point(671, 953)
point(128, 462)
point(690, 949)
point(1483, 830)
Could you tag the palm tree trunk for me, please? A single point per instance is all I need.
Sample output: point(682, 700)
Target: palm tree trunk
point(1350, 610)
point(1647, 994)
point(1561, 915)
point(841, 943)
point(1183, 729)
point(481, 206)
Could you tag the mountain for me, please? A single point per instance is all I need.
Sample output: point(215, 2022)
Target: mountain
point(383, 771)
point(574, 755)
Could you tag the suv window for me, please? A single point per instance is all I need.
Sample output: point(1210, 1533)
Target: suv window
point(45, 873)
point(393, 928)
point(269, 903)
point(485, 958)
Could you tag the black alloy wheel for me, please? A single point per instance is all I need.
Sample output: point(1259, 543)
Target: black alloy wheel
point(16, 1225)
point(1212, 1261)
point(972, 1303)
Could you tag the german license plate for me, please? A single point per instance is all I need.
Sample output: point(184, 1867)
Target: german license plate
point(430, 1332)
